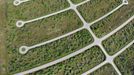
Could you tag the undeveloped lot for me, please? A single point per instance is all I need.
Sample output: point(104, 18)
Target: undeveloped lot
point(114, 20)
point(125, 61)
point(77, 1)
point(120, 39)
point(95, 9)
point(107, 69)
point(76, 65)
point(48, 52)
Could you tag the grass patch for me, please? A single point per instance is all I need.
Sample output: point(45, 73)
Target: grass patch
point(35, 8)
point(96, 8)
point(75, 65)
point(77, 1)
point(125, 61)
point(3, 54)
point(48, 52)
point(3, 51)
point(40, 31)
point(108, 24)
point(120, 39)
point(43, 30)
point(105, 70)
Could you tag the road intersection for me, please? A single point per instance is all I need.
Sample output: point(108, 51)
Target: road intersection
point(97, 41)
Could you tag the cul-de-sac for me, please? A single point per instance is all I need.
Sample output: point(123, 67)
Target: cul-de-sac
point(66, 37)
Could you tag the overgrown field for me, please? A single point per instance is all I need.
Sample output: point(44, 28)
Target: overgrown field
point(43, 30)
point(76, 65)
point(47, 53)
point(105, 70)
point(95, 9)
point(125, 61)
point(120, 39)
point(114, 20)
point(35, 8)
point(77, 1)
point(3, 52)
point(57, 25)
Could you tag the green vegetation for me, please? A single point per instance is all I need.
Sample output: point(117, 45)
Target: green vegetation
point(125, 61)
point(114, 20)
point(77, 1)
point(76, 65)
point(41, 7)
point(97, 8)
point(48, 52)
point(3, 53)
point(57, 25)
point(105, 70)
point(120, 39)
point(40, 31)
point(43, 30)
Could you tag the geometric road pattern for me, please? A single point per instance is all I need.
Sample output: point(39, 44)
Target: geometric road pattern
point(97, 41)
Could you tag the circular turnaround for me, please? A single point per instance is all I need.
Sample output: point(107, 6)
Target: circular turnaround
point(125, 2)
point(19, 24)
point(23, 49)
point(16, 2)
